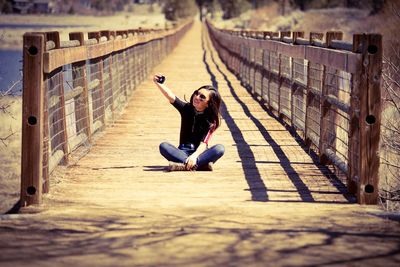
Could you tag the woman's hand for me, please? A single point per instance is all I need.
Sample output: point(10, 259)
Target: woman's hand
point(191, 162)
point(157, 77)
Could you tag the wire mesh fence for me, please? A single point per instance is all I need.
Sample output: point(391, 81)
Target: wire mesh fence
point(86, 85)
point(300, 75)
point(316, 87)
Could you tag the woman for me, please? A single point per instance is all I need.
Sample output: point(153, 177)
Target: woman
point(199, 119)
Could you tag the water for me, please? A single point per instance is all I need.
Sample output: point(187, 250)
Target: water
point(10, 70)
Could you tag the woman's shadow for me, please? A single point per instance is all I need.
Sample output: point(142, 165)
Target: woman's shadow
point(155, 168)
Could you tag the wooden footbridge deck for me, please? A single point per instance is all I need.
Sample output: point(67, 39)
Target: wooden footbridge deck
point(268, 201)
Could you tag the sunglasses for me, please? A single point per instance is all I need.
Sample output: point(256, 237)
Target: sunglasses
point(201, 96)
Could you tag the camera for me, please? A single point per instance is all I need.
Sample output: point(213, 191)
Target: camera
point(161, 79)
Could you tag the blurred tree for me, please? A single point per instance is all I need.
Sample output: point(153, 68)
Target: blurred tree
point(177, 9)
point(283, 6)
point(377, 6)
point(203, 3)
point(99, 4)
point(71, 10)
point(353, 3)
point(233, 8)
point(203, 6)
point(6, 6)
point(299, 3)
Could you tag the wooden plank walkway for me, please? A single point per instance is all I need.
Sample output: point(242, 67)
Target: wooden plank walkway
point(267, 203)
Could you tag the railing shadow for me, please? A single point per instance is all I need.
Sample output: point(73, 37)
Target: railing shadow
point(15, 208)
point(256, 185)
point(331, 176)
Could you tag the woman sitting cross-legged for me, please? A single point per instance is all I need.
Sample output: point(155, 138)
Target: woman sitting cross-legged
point(199, 119)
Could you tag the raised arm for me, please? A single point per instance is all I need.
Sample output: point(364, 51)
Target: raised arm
point(164, 89)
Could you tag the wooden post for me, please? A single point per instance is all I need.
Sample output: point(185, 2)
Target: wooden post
point(115, 80)
point(55, 37)
point(326, 125)
point(145, 57)
point(142, 56)
point(237, 60)
point(81, 107)
point(106, 34)
point(268, 35)
point(284, 34)
point(354, 125)
point(369, 97)
point(111, 78)
point(262, 76)
point(123, 68)
point(315, 35)
point(253, 52)
point(232, 59)
point(297, 35)
point(128, 76)
point(330, 36)
point(245, 62)
point(249, 65)
point(46, 134)
point(240, 63)
point(153, 53)
point(99, 63)
point(113, 34)
point(294, 87)
point(309, 94)
point(110, 35)
point(279, 86)
point(323, 126)
point(32, 119)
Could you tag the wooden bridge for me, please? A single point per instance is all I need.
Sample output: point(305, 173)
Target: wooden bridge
point(269, 200)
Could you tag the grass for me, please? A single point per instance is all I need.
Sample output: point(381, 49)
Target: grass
point(10, 151)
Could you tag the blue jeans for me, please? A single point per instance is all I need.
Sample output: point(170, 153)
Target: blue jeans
point(172, 153)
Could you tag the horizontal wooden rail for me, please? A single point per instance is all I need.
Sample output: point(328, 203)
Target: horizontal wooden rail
point(328, 91)
point(74, 88)
point(96, 48)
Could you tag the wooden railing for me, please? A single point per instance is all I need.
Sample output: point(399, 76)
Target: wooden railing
point(327, 91)
point(73, 89)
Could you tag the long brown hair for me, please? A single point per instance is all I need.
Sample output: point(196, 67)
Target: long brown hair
point(214, 104)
